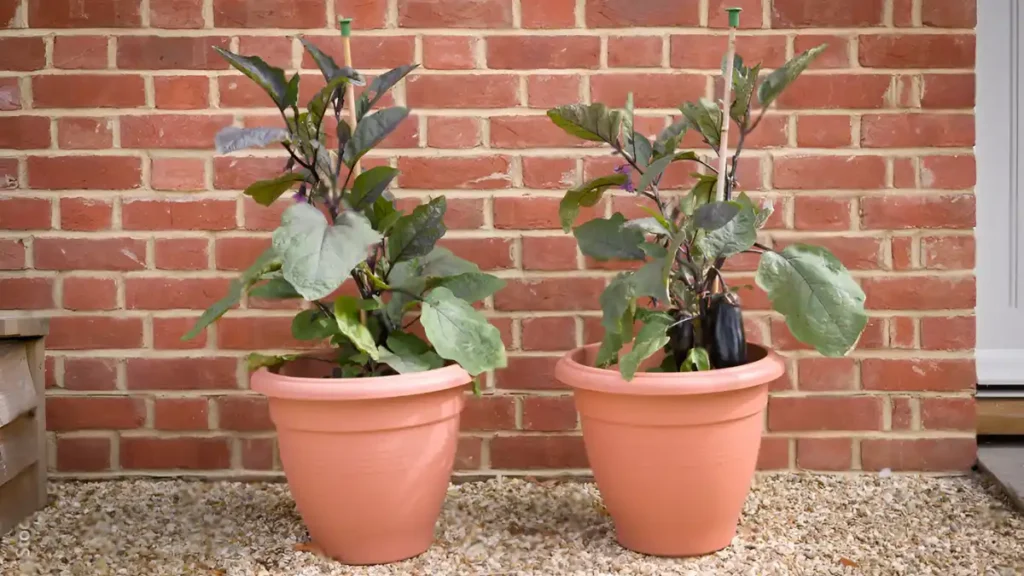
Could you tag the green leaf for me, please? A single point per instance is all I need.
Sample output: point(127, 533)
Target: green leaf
point(406, 364)
point(607, 238)
point(317, 106)
point(586, 195)
point(735, 236)
point(669, 138)
point(274, 289)
point(608, 353)
point(651, 337)
point(313, 324)
point(370, 131)
point(329, 68)
point(650, 225)
point(822, 303)
point(379, 86)
point(616, 301)
point(266, 263)
point(291, 93)
point(714, 215)
point(346, 314)
point(588, 121)
point(318, 257)
point(265, 192)
point(642, 151)
point(382, 213)
point(256, 361)
point(649, 281)
point(415, 235)
point(744, 82)
point(696, 361)
point(461, 333)
point(405, 343)
point(271, 79)
point(369, 186)
point(654, 250)
point(702, 193)
point(232, 138)
point(764, 213)
point(779, 79)
point(412, 276)
point(469, 286)
point(653, 173)
point(706, 117)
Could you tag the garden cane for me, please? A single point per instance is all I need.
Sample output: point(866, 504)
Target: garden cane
point(723, 146)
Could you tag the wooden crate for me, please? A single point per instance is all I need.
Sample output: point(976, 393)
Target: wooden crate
point(22, 420)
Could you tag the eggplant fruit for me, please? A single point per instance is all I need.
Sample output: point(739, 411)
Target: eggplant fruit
point(680, 340)
point(723, 333)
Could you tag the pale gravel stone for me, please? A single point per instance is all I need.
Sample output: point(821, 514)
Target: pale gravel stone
point(792, 524)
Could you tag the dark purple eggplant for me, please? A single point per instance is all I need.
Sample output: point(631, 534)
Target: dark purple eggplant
point(680, 340)
point(723, 333)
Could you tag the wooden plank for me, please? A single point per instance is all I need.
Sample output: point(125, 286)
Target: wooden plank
point(36, 354)
point(17, 390)
point(18, 498)
point(19, 447)
point(21, 327)
point(1000, 416)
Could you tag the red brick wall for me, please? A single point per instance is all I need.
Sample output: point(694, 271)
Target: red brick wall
point(117, 219)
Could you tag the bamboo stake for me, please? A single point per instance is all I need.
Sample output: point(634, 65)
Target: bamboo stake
point(723, 146)
point(350, 91)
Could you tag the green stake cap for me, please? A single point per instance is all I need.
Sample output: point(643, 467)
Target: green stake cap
point(734, 17)
point(346, 27)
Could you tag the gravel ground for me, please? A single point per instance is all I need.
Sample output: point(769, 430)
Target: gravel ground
point(792, 524)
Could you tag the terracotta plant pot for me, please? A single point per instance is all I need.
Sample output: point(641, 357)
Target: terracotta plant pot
point(673, 454)
point(368, 460)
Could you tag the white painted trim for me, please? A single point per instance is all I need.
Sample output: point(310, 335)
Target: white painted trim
point(1000, 367)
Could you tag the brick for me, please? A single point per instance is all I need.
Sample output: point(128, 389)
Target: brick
point(84, 172)
point(236, 91)
point(634, 52)
point(468, 453)
point(829, 172)
point(181, 93)
point(528, 373)
point(65, 413)
point(178, 215)
point(85, 214)
point(477, 173)
point(26, 293)
point(84, 133)
point(947, 90)
point(277, 50)
point(531, 52)
point(167, 333)
point(948, 252)
point(649, 90)
point(464, 214)
point(836, 55)
point(257, 453)
point(368, 51)
point(940, 14)
point(821, 131)
point(476, 91)
point(176, 14)
point(773, 454)
point(269, 14)
point(549, 253)
point(831, 454)
point(902, 332)
point(488, 253)
point(931, 454)
point(145, 453)
point(10, 94)
point(821, 213)
point(81, 454)
point(538, 452)
point(368, 13)
point(50, 373)
point(826, 374)
point(917, 211)
point(955, 172)
point(919, 292)
point(22, 54)
point(172, 131)
point(550, 90)
point(549, 173)
point(916, 51)
point(948, 414)
point(94, 333)
point(257, 333)
point(24, 213)
point(89, 253)
point(718, 18)
point(88, 91)
point(689, 51)
point(912, 130)
point(9, 174)
point(244, 413)
point(824, 413)
point(489, 413)
point(83, 14)
point(948, 333)
point(455, 14)
point(180, 414)
point(181, 254)
point(24, 132)
point(630, 13)
point(549, 333)
point(550, 294)
point(446, 132)
point(80, 52)
point(904, 173)
point(170, 53)
point(179, 174)
point(239, 253)
point(534, 213)
point(449, 52)
point(817, 14)
point(917, 375)
point(818, 91)
point(174, 293)
point(548, 13)
point(549, 413)
point(262, 217)
point(12, 255)
point(530, 132)
point(209, 373)
point(84, 293)
point(90, 373)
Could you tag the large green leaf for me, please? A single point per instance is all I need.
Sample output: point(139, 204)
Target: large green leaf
point(735, 236)
point(773, 84)
point(370, 185)
point(469, 286)
point(588, 121)
point(271, 79)
point(346, 313)
point(617, 301)
point(265, 192)
point(415, 235)
point(669, 137)
point(408, 353)
point(233, 138)
point(822, 303)
point(702, 193)
point(744, 82)
point(379, 86)
point(714, 215)
point(318, 257)
point(370, 131)
point(607, 238)
point(266, 263)
point(256, 361)
point(460, 333)
point(274, 289)
point(586, 195)
point(653, 173)
point(651, 337)
point(706, 117)
point(329, 68)
point(313, 324)
point(317, 106)
point(411, 276)
point(650, 281)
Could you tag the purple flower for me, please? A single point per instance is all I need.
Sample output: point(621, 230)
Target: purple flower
point(628, 171)
point(300, 196)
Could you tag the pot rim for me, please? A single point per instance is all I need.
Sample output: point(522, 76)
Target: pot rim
point(575, 374)
point(282, 386)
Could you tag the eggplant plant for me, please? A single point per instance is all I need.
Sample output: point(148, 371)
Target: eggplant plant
point(343, 225)
point(695, 316)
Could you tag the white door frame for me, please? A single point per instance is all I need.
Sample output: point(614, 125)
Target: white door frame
point(999, 117)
